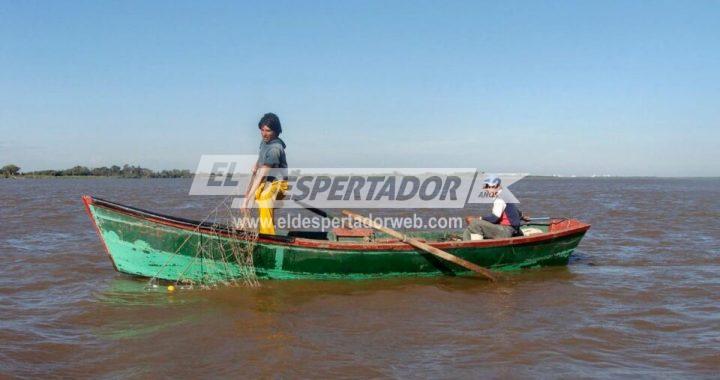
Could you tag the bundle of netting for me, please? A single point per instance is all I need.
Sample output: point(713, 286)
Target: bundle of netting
point(218, 253)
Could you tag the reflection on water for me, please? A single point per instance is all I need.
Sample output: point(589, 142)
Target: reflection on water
point(640, 297)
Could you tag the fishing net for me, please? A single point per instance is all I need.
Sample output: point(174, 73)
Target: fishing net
point(219, 252)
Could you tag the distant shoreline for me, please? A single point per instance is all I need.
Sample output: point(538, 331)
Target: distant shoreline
point(115, 171)
point(126, 171)
point(531, 177)
point(45, 176)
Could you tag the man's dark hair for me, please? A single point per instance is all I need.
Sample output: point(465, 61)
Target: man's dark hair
point(272, 122)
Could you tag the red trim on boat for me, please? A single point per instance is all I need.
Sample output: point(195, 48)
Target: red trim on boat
point(558, 228)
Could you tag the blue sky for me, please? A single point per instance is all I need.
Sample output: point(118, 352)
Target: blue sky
point(622, 88)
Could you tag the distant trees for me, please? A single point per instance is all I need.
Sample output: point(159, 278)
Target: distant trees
point(127, 171)
point(78, 170)
point(174, 173)
point(9, 170)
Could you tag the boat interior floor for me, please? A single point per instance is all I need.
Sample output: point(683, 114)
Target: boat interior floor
point(374, 236)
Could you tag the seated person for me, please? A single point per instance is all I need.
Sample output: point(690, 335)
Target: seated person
point(503, 222)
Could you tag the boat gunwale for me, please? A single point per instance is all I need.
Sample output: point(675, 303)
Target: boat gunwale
point(197, 226)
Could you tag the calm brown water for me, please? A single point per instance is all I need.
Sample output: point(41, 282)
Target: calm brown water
point(641, 297)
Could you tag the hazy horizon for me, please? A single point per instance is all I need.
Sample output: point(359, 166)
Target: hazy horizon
point(192, 170)
point(611, 88)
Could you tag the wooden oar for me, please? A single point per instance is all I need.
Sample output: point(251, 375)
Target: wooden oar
point(420, 245)
point(313, 209)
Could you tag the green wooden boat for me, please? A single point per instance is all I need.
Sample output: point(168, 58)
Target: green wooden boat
point(148, 244)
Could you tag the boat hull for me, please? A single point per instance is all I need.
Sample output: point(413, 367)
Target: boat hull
point(151, 245)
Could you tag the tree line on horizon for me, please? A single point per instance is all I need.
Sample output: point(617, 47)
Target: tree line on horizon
point(126, 171)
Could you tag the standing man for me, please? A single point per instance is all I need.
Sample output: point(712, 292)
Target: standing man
point(503, 222)
point(269, 178)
